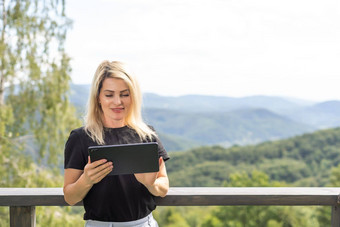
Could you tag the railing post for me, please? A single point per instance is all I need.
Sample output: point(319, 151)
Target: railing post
point(22, 216)
point(336, 213)
point(335, 216)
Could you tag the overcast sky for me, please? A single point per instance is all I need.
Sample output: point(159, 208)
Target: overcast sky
point(216, 47)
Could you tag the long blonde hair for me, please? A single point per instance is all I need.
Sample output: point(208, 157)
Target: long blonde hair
point(94, 117)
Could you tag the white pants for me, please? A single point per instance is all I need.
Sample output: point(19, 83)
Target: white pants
point(148, 221)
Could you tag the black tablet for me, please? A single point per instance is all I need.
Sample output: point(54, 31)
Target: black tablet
point(128, 158)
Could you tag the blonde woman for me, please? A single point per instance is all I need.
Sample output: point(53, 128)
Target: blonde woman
point(113, 117)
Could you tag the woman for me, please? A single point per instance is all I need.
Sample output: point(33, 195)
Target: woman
point(113, 117)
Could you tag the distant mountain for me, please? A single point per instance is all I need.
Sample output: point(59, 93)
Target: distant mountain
point(328, 107)
point(175, 143)
point(79, 94)
point(203, 103)
point(320, 115)
point(241, 127)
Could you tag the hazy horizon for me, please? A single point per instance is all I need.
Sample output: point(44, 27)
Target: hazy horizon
point(259, 95)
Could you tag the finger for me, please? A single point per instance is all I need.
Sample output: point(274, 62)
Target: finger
point(95, 173)
point(107, 171)
point(107, 165)
point(98, 163)
point(101, 174)
point(102, 167)
point(93, 169)
point(89, 159)
point(161, 161)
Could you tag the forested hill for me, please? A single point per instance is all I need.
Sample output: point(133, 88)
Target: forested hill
point(246, 126)
point(302, 161)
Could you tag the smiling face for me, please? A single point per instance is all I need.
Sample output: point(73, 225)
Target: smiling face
point(115, 101)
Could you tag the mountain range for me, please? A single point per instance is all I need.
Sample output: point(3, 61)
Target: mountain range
point(183, 122)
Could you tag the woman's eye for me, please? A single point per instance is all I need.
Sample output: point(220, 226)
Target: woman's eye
point(108, 96)
point(125, 95)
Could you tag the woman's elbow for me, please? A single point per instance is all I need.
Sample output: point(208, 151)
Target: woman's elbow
point(164, 193)
point(164, 190)
point(67, 199)
point(69, 202)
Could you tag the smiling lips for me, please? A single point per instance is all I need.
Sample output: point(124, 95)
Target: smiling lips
point(117, 110)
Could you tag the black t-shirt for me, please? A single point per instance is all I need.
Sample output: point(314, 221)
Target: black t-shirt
point(116, 198)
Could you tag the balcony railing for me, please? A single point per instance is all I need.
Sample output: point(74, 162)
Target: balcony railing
point(22, 201)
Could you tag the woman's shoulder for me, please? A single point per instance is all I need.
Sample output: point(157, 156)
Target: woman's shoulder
point(78, 137)
point(78, 132)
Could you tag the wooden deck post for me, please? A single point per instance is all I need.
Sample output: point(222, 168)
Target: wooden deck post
point(336, 213)
point(335, 216)
point(22, 216)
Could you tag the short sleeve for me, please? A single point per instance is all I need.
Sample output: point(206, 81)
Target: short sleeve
point(74, 154)
point(161, 150)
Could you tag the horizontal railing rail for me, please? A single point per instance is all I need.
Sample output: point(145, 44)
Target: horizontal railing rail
point(22, 201)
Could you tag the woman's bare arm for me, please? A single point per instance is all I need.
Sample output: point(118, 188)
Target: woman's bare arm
point(77, 183)
point(157, 183)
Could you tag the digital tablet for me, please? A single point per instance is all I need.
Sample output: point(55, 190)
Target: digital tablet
point(128, 158)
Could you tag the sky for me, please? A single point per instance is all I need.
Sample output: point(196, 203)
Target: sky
point(233, 48)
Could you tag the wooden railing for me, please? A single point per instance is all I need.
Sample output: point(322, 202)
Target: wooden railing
point(22, 201)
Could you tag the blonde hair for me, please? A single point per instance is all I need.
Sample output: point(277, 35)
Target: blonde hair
point(94, 126)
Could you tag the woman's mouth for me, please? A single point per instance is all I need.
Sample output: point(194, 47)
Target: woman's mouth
point(117, 110)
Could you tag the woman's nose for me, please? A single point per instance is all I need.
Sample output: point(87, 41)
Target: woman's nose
point(117, 100)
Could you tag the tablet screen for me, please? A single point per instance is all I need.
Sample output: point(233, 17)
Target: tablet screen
point(128, 158)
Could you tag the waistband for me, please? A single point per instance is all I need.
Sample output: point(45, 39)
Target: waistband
point(136, 223)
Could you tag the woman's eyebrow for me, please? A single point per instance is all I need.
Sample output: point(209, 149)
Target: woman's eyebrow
point(109, 90)
point(114, 91)
point(124, 90)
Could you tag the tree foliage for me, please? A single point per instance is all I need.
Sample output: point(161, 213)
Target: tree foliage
point(302, 161)
point(259, 215)
point(35, 176)
point(34, 77)
point(35, 112)
point(307, 160)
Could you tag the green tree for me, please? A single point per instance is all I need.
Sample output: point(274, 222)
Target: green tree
point(324, 213)
point(335, 177)
point(35, 113)
point(259, 215)
point(170, 217)
point(35, 69)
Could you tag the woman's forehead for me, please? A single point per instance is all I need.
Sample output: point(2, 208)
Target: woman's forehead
point(114, 84)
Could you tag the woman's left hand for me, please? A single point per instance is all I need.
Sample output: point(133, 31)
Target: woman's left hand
point(157, 183)
point(149, 179)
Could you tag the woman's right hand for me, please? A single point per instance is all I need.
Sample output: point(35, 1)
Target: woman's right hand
point(94, 172)
point(77, 183)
